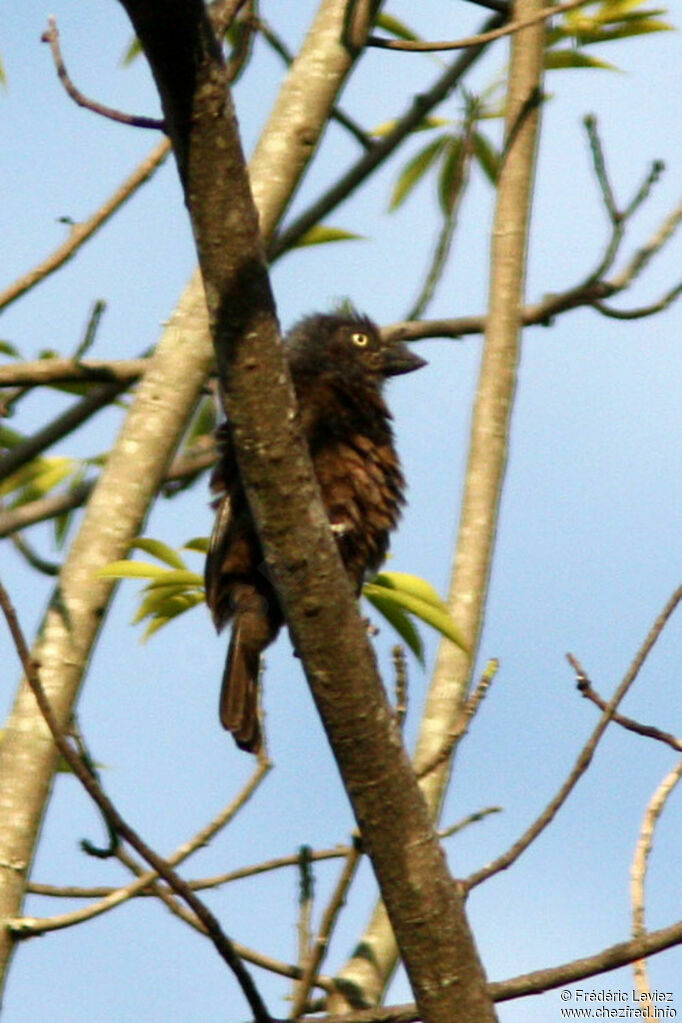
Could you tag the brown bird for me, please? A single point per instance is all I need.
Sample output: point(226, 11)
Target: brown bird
point(338, 365)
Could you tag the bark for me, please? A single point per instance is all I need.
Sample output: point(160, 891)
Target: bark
point(425, 905)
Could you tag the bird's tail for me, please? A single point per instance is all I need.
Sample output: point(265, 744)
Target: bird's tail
point(252, 631)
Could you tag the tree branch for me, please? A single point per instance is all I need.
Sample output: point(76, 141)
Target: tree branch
point(51, 36)
point(80, 233)
point(585, 687)
point(419, 46)
point(586, 754)
point(428, 917)
point(163, 404)
point(638, 869)
point(67, 371)
point(62, 425)
point(487, 460)
point(87, 779)
point(420, 106)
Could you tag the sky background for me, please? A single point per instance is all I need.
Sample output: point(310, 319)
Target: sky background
point(588, 548)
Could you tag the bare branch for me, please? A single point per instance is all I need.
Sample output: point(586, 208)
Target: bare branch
point(317, 953)
point(67, 371)
point(585, 687)
point(220, 940)
point(639, 866)
point(643, 311)
point(51, 36)
point(462, 725)
point(586, 754)
point(78, 413)
point(401, 684)
point(643, 255)
point(81, 232)
point(418, 46)
point(44, 508)
point(471, 818)
point(101, 891)
point(419, 108)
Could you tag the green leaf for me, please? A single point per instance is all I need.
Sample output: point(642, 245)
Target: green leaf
point(203, 423)
point(133, 50)
point(386, 127)
point(63, 521)
point(159, 550)
point(166, 602)
point(559, 60)
point(397, 618)
point(417, 596)
point(7, 348)
point(174, 607)
point(9, 438)
point(396, 28)
point(131, 570)
point(415, 169)
point(450, 177)
point(321, 235)
point(37, 479)
point(173, 577)
point(199, 543)
point(487, 156)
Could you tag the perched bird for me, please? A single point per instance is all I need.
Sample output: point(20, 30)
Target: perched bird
point(338, 365)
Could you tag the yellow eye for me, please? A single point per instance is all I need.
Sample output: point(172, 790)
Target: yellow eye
point(359, 339)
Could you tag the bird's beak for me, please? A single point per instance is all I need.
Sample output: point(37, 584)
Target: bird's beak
point(401, 359)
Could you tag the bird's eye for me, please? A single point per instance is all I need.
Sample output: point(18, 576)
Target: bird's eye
point(360, 339)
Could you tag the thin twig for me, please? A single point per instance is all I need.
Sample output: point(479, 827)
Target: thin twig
point(468, 711)
point(419, 108)
point(306, 884)
point(643, 255)
point(13, 519)
point(643, 311)
point(401, 684)
point(419, 46)
point(51, 36)
point(446, 234)
point(471, 818)
point(220, 940)
point(639, 867)
point(587, 293)
point(585, 687)
point(586, 754)
point(84, 230)
point(184, 467)
point(101, 891)
point(319, 949)
point(50, 568)
point(112, 897)
point(98, 398)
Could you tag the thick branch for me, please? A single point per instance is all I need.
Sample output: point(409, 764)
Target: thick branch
point(425, 906)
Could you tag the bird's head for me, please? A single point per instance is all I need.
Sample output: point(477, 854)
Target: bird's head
point(347, 344)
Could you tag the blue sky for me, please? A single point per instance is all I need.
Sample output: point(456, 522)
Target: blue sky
point(588, 548)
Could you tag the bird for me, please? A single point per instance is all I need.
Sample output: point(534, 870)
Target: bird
point(339, 363)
